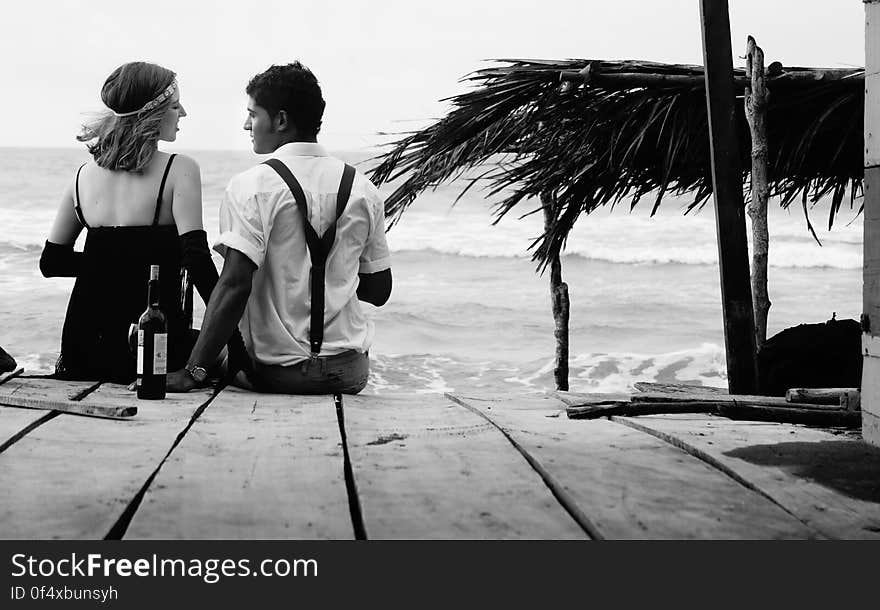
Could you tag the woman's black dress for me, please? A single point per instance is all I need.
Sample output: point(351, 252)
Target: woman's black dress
point(110, 293)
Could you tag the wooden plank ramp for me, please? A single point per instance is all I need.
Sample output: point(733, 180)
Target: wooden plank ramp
point(629, 485)
point(73, 477)
point(827, 480)
point(17, 421)
point(253, 466)
point(427, 467)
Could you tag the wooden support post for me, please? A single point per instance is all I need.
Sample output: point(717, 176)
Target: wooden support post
point(560, 303)
point(733, 256)
point(756, 113)
point(871, 273)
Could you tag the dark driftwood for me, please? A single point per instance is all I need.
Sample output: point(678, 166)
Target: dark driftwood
point(733, 410)
point(594, 411)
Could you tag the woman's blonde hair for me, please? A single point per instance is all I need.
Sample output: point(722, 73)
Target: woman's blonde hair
point(128, 142)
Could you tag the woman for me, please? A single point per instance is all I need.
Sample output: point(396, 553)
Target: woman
point(140, 207)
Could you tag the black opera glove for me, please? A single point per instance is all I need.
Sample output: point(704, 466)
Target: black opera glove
point(59, 260)
point(196, 258)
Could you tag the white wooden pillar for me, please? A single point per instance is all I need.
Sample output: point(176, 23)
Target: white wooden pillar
point(871, 274)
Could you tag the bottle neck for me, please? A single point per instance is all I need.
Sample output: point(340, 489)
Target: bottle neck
point(153, 293)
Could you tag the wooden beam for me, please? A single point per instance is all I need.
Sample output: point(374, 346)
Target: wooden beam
point(733, 256)
point(871, 257)
point(631, 80)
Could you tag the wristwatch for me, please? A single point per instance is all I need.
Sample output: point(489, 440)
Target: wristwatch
point(198, 373)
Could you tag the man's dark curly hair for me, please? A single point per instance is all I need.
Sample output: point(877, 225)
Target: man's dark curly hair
point(294, 89)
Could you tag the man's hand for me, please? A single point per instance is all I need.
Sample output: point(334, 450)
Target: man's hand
point(180, 381)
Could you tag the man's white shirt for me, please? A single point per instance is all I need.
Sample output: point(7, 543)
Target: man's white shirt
point(260, 219)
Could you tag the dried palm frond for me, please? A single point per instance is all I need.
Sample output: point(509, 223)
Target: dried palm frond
point(591, 133)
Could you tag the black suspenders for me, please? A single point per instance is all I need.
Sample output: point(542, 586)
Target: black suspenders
point(319, 247)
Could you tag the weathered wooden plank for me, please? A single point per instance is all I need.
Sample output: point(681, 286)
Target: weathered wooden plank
point(580, 398)
point(82, 407)
point(871, 243)
point(634, 486)
point(684, 388)
point(40, 388)
point(255, 466)
point(15, 419)
point(427, 467)
point(872, 83)
point(828, 481)
point(72, 477)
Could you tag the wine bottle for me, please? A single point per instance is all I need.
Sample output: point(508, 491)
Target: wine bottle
point(152, 344)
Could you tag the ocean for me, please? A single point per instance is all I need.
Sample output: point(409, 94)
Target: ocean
point(468, 311)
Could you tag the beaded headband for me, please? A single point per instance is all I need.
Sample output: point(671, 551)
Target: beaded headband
point(168, 92)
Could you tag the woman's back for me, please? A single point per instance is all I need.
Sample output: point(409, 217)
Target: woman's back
point(113, 198)
point(125, 237)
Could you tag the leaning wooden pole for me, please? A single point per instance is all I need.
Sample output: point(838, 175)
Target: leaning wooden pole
point(756, 96)
point(559, 301)
point(871, 273)
point(733, 255)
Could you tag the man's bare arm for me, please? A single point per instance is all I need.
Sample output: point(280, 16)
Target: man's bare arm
point(224, 310)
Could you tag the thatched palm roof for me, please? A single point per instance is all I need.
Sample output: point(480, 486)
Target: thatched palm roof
point(588, 133)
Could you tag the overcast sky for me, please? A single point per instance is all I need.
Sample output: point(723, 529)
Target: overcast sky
point(383, 64)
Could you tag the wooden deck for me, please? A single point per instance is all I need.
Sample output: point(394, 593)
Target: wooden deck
point(239, 465)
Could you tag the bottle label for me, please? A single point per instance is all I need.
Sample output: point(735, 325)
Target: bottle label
point(140, 353)
point(160, 353)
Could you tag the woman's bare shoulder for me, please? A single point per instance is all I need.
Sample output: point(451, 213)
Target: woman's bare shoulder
point(185, 163)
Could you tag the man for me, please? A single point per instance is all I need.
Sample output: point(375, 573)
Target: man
point(274, 272)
